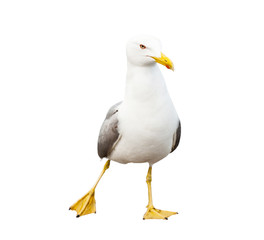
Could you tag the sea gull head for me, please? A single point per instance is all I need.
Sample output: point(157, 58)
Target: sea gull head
point(145, 50)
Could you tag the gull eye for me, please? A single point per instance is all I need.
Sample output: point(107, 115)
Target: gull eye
point(142, 46)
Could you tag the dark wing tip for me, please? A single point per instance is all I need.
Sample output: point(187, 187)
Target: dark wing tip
point(176, 137)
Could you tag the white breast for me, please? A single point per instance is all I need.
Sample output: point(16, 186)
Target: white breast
point(146, 134)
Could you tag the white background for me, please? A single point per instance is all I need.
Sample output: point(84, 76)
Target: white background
point(63, 65)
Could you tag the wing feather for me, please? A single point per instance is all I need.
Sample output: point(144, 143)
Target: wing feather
point(109, 134)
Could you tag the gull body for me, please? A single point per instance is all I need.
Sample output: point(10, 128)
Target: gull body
point(147, 117)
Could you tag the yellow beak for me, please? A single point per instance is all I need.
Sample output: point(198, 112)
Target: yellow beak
point(164, 61)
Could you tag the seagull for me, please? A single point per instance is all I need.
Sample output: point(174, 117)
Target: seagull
point(144, 127)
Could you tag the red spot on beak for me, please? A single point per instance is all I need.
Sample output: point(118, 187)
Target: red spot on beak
point(167, 66)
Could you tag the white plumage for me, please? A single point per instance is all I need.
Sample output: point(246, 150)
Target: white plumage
point(147, 118)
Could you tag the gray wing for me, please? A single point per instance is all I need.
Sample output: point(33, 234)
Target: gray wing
point(109, 134)
point(176, 137)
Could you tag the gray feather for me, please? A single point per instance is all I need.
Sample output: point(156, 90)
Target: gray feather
point(109, 134)
point(176, 137)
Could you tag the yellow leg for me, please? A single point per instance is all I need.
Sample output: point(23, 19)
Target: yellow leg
point(153, 213)
point(86, 204)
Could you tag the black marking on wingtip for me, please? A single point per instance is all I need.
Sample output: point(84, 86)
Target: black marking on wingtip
point(166, 218)
point(78, 216)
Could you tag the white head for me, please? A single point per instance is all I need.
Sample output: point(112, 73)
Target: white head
point(146, 50)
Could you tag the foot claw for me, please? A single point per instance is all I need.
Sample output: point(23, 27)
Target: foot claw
point(153, 213)
point(85, 205)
